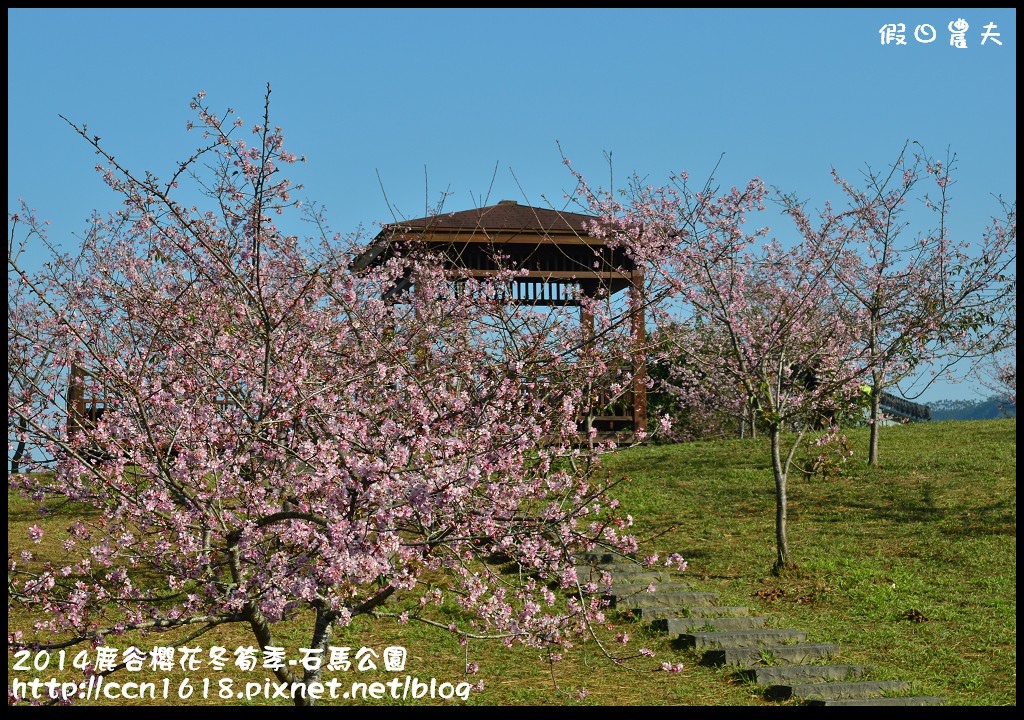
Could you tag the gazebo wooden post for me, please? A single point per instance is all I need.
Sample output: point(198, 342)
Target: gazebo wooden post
point(421, 351)
point(586, 315)
point(588, 333)
point(638, 336)
point(76, 399)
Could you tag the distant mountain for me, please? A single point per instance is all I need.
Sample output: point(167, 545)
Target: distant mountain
point(989, 409)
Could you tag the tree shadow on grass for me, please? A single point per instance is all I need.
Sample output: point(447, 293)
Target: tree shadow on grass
point(996, 518)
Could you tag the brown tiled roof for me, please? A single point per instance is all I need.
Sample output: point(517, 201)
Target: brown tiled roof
point(506, 215)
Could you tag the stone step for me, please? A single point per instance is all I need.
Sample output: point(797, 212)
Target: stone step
point(750, 657)
point(627, 589)
point(693, 611)
point(644, 579)
point(677, 626)
point(597, 557)
point(904, 701)
point(740, 638)
point(835, 690)
point(639, 581)
point(798, 674)
point(680, 599)
point(622, 571)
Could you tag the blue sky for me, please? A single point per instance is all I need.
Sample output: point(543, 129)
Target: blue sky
point(413, 102)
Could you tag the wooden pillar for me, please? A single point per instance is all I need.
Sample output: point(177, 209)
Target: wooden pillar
point(76, 399)
point(421, 352)
point(587, 290)
point(586, 316)
point(639, 341)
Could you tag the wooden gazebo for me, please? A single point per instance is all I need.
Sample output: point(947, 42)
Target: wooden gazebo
point(562, 261)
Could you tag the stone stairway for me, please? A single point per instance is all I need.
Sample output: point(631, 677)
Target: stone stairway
point(781, 661)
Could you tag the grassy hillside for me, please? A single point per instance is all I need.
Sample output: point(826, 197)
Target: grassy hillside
point(910, 567)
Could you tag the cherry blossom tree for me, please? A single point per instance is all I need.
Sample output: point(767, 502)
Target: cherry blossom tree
point(283, 437)
point(743, 319)
point(1006, 374)
point(998, 371)
point(931, 300)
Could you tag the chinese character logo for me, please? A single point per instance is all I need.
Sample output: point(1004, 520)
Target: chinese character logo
point(990, 34)
point(958, 33)
point(925, 33)
point(893, 33)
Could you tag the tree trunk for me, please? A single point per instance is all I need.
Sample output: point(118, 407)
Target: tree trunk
point(876, 418)
point(782, 561)
point(261, 629)
point(322, 632)
point(876, 391)
point(19, 451)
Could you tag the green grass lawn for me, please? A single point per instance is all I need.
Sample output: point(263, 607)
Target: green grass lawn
point(910, 568)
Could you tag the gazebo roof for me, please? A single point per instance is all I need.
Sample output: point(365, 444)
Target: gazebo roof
point(506, 215)
point(506, 222)
point(553, 251)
